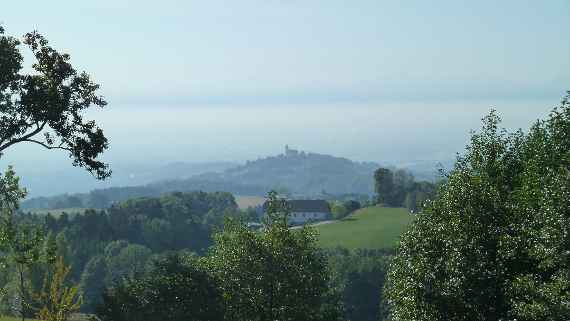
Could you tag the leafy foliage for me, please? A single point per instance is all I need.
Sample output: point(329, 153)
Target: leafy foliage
point(359, 277)
point(399, 188)
point(104, 247)
point(340, 210)
point(46, 107)
point(278, 274)
point(21, 245)
point(384, 185)
point(58, 300)
point(92, 283)
point(494, 244)
point(175, 289)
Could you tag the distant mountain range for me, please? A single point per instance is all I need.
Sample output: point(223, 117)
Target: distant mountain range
point(297, 173)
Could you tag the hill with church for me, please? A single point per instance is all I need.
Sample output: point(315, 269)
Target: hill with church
point(294, 173)
point(302, 173)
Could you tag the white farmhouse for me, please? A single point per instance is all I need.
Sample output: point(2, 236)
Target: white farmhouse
point(303, 211)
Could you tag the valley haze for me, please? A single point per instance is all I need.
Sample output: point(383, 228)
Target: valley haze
point(219, 136)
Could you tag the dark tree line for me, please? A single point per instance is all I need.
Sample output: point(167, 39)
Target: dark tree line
point(275, 274)
point(174, 288)
point(399, 189)
point(118, 256)
point(358, 277)
point(102, 247)
point(106, 197)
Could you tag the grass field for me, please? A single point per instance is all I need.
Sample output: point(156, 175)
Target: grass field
point(249, 201)
point(371, 228)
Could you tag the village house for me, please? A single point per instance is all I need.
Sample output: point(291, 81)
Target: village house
point(304, 211)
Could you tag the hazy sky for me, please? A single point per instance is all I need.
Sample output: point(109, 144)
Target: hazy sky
point(366, 79)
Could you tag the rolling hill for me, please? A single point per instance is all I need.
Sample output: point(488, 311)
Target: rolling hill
point(370, 228)
point(302, 173)
point(297, 173)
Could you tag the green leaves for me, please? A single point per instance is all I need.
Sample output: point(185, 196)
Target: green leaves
point(10, 196)
point(175, 289)
point(58, 301)
point(46, 107)
point(277, 210)
point(276, 274)
point(493, 245)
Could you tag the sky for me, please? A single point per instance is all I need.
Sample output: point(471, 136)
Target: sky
point(365, 79)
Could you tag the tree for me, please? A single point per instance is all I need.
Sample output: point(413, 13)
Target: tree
point(359, 278)
point(128, 262)
point(338, 210)
point(411, 202)
point(493, 245)
point(403, 184)
point(351, 206)
point(46, 107)
point(399, 189)
point(22, 245)
point(384, 185)
point(278, 274)
point(58, 301)
point(24, 252)
point(175, 289)
point(10, 196)
point(93, 283)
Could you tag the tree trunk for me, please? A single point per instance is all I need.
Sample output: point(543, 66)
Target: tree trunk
point(22, 299)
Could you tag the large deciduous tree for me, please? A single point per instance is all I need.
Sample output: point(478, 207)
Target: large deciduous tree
point(384, 185)
point(276, 274)
point(495, 243)
point(46, 106)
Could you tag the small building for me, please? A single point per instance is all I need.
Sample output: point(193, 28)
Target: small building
point(303, 211)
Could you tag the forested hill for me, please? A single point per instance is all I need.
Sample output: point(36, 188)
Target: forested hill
point(293, 172)
point(103, 198)
point(302, 173)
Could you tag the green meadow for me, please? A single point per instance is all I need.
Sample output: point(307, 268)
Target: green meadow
point(370, 228)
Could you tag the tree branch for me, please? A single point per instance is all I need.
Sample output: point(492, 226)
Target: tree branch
point(24, 138)
point(46, 145)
